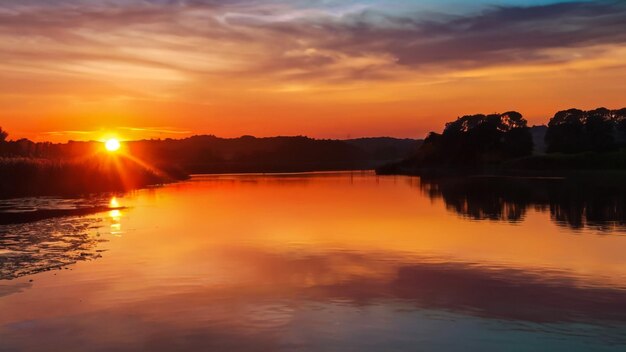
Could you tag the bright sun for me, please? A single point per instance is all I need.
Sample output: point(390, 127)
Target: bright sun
point(112, 145)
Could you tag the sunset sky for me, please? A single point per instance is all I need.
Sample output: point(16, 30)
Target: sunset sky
point(82, 69)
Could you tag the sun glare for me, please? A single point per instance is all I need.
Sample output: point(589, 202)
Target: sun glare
point(112, 145)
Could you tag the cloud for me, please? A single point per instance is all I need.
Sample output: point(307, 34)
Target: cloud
point(167, 130)
point(181, 42)
point(498, 35)
point(67, 132)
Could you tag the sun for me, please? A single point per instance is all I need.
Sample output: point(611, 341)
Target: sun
point(112, 145)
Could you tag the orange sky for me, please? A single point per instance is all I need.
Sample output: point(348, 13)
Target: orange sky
point(329, 69)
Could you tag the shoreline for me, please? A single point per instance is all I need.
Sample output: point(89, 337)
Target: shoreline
point(13, 218)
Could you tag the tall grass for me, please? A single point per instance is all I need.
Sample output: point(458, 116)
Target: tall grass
point(29, 176)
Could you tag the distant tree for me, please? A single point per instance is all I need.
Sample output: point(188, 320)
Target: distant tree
point(431, 150)
point(4, 146)
point(619, 117)
point(3, 135)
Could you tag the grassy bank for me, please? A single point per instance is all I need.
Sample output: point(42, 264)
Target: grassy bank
point(7, 218)
point(39, 177)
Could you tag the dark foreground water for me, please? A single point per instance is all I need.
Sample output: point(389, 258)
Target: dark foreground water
point(322, 262)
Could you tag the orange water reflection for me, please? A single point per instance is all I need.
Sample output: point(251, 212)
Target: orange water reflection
point(258, 262)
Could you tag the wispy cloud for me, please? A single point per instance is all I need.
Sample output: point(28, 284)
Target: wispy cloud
point(166, 130)
point(180, 40)
point(124, 132)
point(63, 133)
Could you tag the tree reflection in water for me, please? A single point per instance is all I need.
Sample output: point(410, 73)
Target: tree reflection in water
point(578, 203)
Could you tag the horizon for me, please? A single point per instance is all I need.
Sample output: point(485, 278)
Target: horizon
point(325, 69)
point(108, 135)
point(111, 136)
point(104, 135)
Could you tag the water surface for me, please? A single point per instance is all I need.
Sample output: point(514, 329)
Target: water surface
point(322, 262)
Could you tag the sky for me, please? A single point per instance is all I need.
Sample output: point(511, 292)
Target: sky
point(89, 69)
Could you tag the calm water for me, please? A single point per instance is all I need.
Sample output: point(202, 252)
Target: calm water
point(323, 262)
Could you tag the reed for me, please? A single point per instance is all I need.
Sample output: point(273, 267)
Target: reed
point(32, 176)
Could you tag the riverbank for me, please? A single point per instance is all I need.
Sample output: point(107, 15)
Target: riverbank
point(23, 217)
point(21, 177)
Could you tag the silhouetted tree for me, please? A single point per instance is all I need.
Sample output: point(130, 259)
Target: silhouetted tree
point(3, 135)
point(517, 140)
point(479, 139)
point(620, 120)
point(566, 132)
point(600, 130)
point(575, 131)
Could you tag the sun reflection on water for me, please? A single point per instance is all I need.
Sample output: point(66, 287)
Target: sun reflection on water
point(115, 217)
point(114, 203)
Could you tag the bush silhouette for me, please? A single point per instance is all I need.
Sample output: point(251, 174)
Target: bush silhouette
point(3, 135)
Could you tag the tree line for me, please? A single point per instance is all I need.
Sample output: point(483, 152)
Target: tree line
point(42, 168)
point(493, 139)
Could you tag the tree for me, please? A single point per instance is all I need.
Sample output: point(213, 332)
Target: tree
point(566, 132)
point(575, 131)
point(3, 135)
point(600, 130)
point(619, 117)
point(478, 139)
point(517, 140)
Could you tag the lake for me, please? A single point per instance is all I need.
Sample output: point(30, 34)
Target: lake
point(322, 262)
